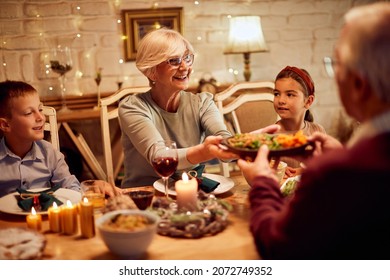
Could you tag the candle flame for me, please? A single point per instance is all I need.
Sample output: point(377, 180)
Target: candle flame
point(68, 203)
point(33, 212)
point(184, 177)
point(55, 206)
point(85, 200)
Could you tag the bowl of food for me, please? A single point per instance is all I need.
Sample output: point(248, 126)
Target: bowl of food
point(128, 232)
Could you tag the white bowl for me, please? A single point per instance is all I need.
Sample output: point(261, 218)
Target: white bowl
point(128, 244)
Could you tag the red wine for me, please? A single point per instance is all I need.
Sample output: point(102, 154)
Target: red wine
point(142, 199)
point(165, 166)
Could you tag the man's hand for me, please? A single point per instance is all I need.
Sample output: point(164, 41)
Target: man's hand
point(260, 167)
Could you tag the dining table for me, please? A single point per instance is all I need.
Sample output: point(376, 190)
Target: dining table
point(235, 242)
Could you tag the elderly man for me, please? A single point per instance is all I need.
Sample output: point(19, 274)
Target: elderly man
point(340, 209)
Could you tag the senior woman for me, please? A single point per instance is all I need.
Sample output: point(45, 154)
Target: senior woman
point(167, 111)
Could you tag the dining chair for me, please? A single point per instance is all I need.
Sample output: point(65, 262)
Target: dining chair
point(109, 111)
point(51, 125)
point(246, 106)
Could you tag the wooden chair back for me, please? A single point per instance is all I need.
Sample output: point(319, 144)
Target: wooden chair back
point(109, 111)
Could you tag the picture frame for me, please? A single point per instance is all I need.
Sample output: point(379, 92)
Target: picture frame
point(137, 23)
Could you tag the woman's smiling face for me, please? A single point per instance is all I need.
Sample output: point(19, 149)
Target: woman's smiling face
point(173, 77)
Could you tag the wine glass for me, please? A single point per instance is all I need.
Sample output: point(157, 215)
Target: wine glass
point(165, 160)
point(61, 63)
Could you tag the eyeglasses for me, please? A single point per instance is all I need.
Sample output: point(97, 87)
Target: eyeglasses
point(176, 61)
point(329, 64)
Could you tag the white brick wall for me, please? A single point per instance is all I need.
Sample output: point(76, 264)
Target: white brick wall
point(298, 32)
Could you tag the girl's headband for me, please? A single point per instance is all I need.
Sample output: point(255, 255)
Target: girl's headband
point(306, 79)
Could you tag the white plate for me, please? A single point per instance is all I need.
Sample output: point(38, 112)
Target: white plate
point(225, 184)
point(9, 204)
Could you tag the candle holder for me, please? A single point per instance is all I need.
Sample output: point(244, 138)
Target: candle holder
point(210, 218)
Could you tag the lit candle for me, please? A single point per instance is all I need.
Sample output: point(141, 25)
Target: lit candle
point(34, 220)
point(69, 217)
point(87, 222)
point(186, 193)
point(55, 218)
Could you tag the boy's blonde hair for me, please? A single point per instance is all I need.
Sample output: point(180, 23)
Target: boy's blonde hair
point(10, 90)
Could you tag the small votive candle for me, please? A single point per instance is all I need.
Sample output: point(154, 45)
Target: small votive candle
point(186, 193)
point(34, 220)
point(69, 216)
point(87, 221)
point(54, 213)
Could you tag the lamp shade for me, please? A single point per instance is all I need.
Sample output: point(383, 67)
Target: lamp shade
point(245, 35)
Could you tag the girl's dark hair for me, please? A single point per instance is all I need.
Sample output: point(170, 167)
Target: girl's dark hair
point(304, 79)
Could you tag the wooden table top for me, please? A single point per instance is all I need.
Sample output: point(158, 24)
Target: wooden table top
point(234, 243)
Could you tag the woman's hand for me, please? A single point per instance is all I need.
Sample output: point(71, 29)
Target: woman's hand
point(215, 150)
point(208, 150)
point(260, 167)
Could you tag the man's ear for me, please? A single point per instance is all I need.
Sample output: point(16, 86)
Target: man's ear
point(4, 125)
point(362, 87)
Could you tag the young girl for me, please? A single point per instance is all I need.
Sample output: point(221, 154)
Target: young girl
point(294, 94)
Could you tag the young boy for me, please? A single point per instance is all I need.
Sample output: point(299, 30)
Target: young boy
point(26, 160)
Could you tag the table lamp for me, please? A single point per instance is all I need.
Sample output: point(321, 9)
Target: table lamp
point(246, 37)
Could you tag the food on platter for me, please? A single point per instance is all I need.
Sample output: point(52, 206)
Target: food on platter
point(273, 141)
point(246, 145)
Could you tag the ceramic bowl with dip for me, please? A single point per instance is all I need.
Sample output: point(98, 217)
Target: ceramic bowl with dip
point(128, 233)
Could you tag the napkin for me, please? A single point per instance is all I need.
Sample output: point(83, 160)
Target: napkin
point(45, 198)
point(205, 184)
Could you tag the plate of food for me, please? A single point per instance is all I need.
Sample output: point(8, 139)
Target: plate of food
point(246, 145)
point(225, 184)
point(9, 202)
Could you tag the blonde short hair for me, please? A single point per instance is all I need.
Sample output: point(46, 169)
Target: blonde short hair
point(158, 46)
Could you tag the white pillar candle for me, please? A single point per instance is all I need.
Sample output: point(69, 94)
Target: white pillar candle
point(186, 193)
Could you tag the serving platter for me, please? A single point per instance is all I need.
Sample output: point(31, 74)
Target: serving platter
point(250, 154)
